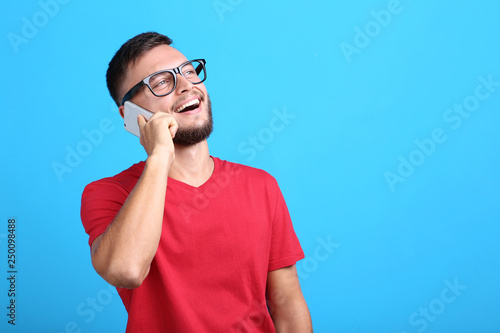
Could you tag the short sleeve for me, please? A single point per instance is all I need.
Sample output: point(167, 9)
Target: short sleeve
point(101, 201)
point(285, 246)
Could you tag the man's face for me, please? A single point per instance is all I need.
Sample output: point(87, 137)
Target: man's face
point(194, 125)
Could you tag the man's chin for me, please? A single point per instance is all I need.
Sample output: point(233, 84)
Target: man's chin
point(192, 136)
point(195, 134)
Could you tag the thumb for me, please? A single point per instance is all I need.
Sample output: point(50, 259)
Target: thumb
point(173, 127)
point(141, 121)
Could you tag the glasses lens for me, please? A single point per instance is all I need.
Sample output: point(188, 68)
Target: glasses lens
point(194, 71)
point(162, 83)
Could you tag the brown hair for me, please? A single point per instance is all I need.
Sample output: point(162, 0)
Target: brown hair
point(128, 54)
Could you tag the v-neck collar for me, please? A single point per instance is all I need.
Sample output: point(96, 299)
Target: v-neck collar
point(203, 186)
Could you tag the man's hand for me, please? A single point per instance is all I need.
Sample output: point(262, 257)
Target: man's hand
point(157, 134)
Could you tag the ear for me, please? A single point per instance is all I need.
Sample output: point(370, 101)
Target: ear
point(121, 109)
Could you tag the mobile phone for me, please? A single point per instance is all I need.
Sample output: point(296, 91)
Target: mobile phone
point(130, 113)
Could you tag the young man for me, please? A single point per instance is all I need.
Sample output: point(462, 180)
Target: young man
point(192, 243)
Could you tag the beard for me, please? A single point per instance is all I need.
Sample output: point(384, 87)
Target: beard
point(192, 135)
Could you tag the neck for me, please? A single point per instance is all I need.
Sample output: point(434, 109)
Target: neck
point(192, 165)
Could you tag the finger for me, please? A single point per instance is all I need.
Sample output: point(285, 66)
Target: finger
point(173, 127)
point(141, 121)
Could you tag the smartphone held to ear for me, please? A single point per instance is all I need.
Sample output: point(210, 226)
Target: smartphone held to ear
point(130, 113)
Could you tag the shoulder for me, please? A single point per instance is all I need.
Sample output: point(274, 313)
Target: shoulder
point(251, 175)
point(123, 181)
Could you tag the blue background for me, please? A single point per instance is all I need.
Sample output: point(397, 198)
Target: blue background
point(401, 233)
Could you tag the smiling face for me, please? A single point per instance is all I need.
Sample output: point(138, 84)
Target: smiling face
point(189, 103)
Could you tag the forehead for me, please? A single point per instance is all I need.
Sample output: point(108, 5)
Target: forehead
point(158, 58)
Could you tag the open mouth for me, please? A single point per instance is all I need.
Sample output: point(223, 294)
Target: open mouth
point(188, 106)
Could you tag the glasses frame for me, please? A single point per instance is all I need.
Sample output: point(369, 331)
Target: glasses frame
point(174, 72)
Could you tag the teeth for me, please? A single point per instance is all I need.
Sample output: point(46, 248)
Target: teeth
point(190, 103)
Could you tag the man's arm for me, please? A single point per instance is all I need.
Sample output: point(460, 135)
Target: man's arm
point(122, 255)
point(286, 303)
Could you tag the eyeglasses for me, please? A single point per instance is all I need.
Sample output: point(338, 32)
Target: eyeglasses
point(164, 82)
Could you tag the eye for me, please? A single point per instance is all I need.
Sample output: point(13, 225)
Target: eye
point(161, 82)
point(189, 71)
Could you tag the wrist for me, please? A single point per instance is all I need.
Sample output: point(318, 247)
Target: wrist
point(160, 162)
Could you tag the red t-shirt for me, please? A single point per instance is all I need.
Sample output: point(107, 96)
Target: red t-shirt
point(218, 243)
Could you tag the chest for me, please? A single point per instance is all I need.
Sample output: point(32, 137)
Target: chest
point(221, 224)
